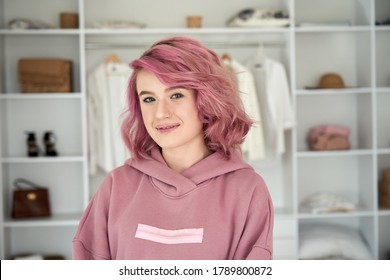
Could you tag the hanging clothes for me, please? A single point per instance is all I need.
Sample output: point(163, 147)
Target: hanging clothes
point(107, 85)
point(274, 100)
point(253, 146)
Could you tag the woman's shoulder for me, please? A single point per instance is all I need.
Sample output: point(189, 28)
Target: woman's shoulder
point(123, 172)
point(246, 179)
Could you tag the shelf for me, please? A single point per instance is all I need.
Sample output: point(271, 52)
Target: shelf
point(336, 215)
point(204, 30)
point(384, 212)
point(308, 154)
point(384, 151)
point(54, 220)
point(346, 91)
point(25, 96)
point(382, 28)
point(316, 29)
point(60, 159)
point(59, 32)
point(383, 90)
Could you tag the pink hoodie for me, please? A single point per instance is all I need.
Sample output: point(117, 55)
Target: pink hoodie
point(216, 209)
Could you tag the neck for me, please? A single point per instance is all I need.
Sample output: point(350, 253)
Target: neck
point(179, 159)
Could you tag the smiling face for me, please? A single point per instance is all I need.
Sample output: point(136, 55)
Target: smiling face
point(170, 114)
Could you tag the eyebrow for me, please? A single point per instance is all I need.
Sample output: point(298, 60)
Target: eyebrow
point(166, 90)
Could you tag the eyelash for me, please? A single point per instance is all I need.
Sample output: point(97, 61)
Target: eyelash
point(173, 96)
point(148, 99)
point(177, 95)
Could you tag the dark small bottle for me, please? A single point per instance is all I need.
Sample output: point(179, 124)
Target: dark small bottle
point(49, 140)
point(32, 147)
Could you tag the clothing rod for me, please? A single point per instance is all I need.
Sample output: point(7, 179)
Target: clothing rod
point(110, 45)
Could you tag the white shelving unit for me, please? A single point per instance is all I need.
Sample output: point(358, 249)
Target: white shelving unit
point(66, 176)
point(355, 51)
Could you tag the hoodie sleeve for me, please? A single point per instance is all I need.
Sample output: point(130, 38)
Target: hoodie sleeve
point(257, 238)
point(91, 239)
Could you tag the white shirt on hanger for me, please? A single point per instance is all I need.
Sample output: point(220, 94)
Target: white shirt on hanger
point(107, 85)
point(275, 102)
point(253, 146)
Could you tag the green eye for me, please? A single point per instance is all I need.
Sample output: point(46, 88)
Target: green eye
point(148, 99)
point(177, 95)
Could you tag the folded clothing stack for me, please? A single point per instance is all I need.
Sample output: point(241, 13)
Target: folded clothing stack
point(117, 24)
point(25, 23)
point(326, 202)
point(255, 17)
point(329, 137)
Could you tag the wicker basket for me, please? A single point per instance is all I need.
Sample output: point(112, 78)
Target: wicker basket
point(194, 21)
point(43, 75)
point(69, 20)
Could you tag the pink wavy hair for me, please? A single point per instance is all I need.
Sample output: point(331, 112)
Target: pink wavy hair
point(182, 61)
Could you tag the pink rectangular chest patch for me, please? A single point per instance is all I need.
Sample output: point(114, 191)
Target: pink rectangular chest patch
point(178, 236)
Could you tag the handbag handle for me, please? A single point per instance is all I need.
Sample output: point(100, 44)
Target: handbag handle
point(21, 183)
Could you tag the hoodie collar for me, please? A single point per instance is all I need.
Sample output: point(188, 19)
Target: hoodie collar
point(176, 184)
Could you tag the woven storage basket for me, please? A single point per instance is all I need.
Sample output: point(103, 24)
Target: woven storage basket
point(43, 75)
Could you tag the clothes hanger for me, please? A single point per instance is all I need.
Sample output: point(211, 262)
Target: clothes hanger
point(260, 56)
point(113, 58)
point(226, 57)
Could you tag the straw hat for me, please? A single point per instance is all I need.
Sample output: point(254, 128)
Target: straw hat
point(329, 81)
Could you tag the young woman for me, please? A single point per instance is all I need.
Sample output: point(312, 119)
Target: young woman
point(186, 192)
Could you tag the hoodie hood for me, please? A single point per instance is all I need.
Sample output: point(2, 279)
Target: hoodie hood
point(174, 184)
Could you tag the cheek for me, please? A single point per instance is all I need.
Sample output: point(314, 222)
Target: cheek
point(146, 115)
point(193, 114)
point(147, 121)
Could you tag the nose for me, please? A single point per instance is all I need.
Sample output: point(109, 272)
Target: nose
point(163, 110)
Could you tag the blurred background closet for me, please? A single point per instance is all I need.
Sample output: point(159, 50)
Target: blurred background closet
point(349, 38)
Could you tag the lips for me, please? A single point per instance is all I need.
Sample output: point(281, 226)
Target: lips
point(166, 128)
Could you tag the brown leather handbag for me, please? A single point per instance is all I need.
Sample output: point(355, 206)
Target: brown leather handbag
point(30, 200)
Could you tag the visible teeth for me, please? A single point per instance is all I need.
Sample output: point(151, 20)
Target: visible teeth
point(166, 127)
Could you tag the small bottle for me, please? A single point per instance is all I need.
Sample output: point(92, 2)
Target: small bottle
point(32, 147)
point(49, 140)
